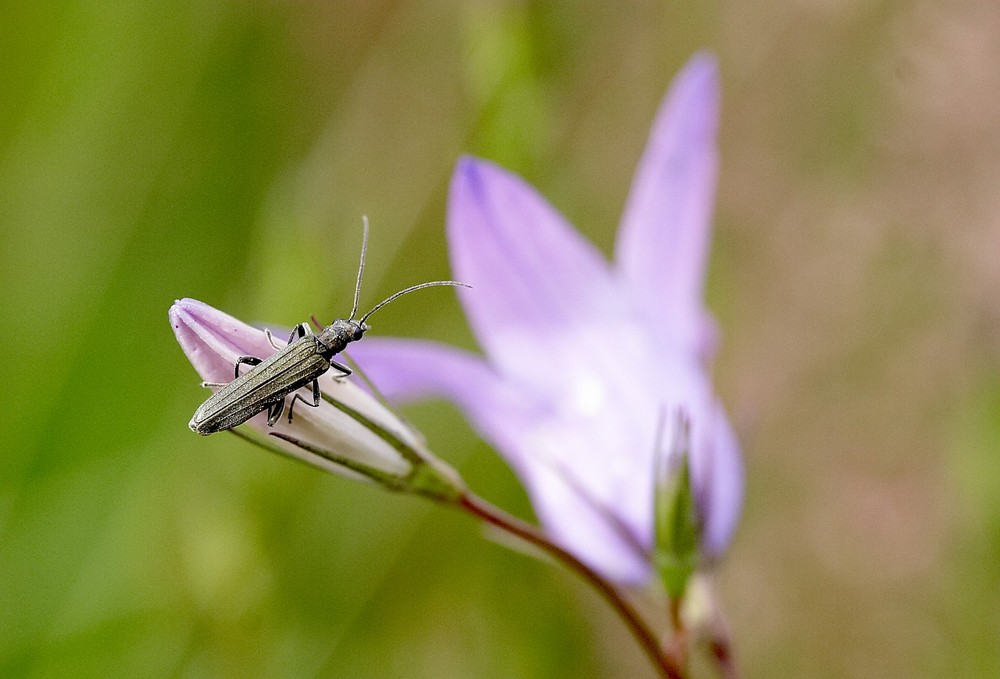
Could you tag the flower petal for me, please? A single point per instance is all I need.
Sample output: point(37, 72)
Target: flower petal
point(588, 503)
point(589, 479)
point(721, 487)
point(407, 370)
point(533, 277)
point(583, 527)
point(663, 239)
point(213, 340)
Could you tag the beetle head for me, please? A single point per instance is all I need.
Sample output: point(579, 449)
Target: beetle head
point(357, 330)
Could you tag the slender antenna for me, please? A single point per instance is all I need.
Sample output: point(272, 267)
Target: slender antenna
point(361, 267)
point(407, 290)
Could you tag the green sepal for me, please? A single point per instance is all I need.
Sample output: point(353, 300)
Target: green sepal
point(373, 473)
point(428, 476)
point(677, 526)
point(435, 480)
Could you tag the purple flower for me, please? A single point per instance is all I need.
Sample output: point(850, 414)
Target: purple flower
point(588, 363)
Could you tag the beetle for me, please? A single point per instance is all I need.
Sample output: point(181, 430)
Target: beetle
point(301, 362)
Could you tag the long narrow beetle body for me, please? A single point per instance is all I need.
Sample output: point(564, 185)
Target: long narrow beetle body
point(301, 362)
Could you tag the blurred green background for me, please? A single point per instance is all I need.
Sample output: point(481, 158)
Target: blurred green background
point(227, 150)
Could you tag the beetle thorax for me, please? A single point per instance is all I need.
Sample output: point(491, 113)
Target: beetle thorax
point(336, 336)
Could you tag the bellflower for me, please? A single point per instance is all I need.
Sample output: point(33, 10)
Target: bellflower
point(586, 364)
point(350, 433)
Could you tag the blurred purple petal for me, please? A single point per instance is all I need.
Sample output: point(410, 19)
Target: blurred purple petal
point(721, 500)
point(533, 276)
point(582, 527)
point(577, 498)
point(405, 370)
point(582, 363)
point(663, 240)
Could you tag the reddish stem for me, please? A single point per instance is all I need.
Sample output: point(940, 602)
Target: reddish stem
point(722, 649)
point(677, 644)
point(647, 640)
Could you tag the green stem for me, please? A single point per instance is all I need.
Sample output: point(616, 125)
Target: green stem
point(494, 516)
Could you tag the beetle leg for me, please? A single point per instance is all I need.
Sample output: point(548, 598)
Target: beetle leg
point(297, 397)
point(298, 332)
point(274, 412)
point(249, 360)
point(345, 371)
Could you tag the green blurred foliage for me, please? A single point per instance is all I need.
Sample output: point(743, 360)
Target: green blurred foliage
point(227, 150)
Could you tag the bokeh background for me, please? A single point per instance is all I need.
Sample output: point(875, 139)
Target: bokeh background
point(226, 151)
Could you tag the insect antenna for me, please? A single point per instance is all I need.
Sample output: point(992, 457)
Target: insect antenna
point(410, 289)
point(361, 268)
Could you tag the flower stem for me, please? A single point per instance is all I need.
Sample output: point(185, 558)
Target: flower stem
point(721, 647)
point(630, 616)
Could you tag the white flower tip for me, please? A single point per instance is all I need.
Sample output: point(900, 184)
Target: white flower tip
point(183, 322)
point(175, 313)
point(184, 314)
point(186, 307)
